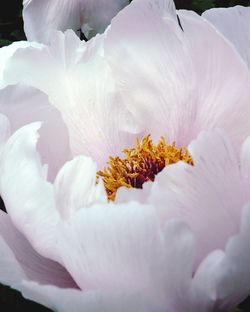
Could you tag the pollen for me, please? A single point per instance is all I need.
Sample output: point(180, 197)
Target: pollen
point(141, 164)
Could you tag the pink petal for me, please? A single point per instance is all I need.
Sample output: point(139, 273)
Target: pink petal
point(23, 105)
point(23, 262)
point(42, 17)
point(122, 247)
point(64, 300)
point(28, 197)
point(163, 79)
point(83, 91)
point(208, 196)
point(75, 186)
point(234, 24)
point(223, 279)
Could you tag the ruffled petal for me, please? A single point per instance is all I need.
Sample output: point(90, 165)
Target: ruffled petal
point(234, 24)
point(75, 186)
point(122, 247)
point(42, 17)
point(223, 279)
point(222, 97)
point(28, 197)
point(7, 52)
point(20, 261)
point(22, 105)
point(164, 81)
point(82, 89)
point(208, 196)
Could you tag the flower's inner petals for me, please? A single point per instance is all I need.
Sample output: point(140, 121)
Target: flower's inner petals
point(141, 164)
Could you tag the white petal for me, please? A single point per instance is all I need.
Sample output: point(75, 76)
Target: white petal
point(27, 196)
point(64, 300)
point(122, 247)
point(22, 105)
point(75, 186)
point(208, 196)
point(223, 279)
point(234, 24)
point(7, 52)
point(164, 80)
point(222, 97)
point(82, 89)
point(25, 262)
point(42, 17)
point(98, 14)
point(11, 271)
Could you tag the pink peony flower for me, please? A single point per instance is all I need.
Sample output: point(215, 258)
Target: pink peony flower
point(179, 244)
point(92, 16)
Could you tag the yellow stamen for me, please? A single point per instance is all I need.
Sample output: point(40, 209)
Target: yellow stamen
point(141, 164)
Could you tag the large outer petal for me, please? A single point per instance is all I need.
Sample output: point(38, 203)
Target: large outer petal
point(20, 261)
point(234, 24)
point(22, 105)
point(208, 196)
point(28, 197)
point(167, 272)
point(123, 247)
point(42, 17)
point(223, 278)
point(81, 87)
point(176, 82)
point(64, 300)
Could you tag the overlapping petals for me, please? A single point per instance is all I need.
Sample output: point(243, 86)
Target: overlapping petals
point(92, 16)
point(180, 243)
point(143, 249)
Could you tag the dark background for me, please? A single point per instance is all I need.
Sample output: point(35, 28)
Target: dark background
point(11, 29)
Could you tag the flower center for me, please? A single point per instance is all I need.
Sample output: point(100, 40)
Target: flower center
point(141, 164)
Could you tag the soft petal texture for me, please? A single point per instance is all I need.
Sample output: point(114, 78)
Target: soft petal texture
point(75, 186)
point(28, 197)
point(176, 249)
point(4, 130)
point(208, 196)
point(234, 24)
point(130, 247)
point(42, 17)
point(134, 254)
point(22, 105)
point(159, 277)
point(64, 300)
point(7, 52)
point(245, 157)
point(20, 261)
point(170, 90)
point(222, 280)
point(82, 89)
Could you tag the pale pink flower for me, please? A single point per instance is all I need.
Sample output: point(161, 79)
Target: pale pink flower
point(181, 243)
point(90, 16)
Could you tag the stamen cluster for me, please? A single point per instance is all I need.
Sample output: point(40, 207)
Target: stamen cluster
point(141, 164)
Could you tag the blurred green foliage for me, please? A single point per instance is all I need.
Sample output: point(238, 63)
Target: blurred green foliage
point(11, 29)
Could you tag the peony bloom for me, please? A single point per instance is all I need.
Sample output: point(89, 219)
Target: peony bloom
point(181, 243)
point(90, 16)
